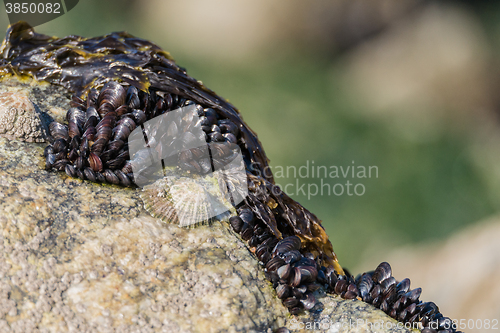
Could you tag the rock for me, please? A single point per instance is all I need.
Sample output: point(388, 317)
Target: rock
point(77, 256)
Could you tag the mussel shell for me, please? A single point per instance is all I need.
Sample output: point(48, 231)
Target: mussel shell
point(92, 112)
point(98, 146)
point(124, 180)
point(283, 291)
point(291, 257)
point(58, 131)
point(275, 263)
point(49, 161)
point(60, 165)
point(284, 271)
point(70, 170)
point(48, 150)
point(341, 286)
point(387, 283)
point(90, 133)
point(95, 162)
point(414, 294)
point(89, 174)
point(236, 223)
point(382, 272)
point(111, 177)
point(59, 145)
point(309, 301)
point(290, 302)
point(80, 163)
point(124, 109)
point(286, 245)
point(132, 98)
point(403, 286)
point(246, 233)
point(113, 93)
point(92, 98)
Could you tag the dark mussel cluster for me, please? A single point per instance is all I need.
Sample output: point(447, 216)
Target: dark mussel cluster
point(295, 275)
point(94, 146)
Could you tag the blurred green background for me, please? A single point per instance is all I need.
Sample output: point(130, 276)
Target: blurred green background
point(409, 87)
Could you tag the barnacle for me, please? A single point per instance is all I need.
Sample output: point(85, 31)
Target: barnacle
point(19, 118)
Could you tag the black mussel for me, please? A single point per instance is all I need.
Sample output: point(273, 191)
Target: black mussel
point(236, 223)
point(104, 132)
point(229, 127)
point(75, 142)
point(124, 180)
point(429, 308)
point(382, 272)
point(92, 98)
point(112, 93)
point(92, 112)
point(247, 216)
point(111, 177)
point(98, 146)
point(89, 174)
point(122, 131)
point(254, 241)
point(290, 302)
point(282, 330)
point(283, 291)
point(124, 109)
point(74, 130)
point(413, 295)
point(230, 137)
point(49, 161)
point(100, 177)
point(73, 154)
point(48, 150)
point(286, 245)
point(105, 108)
point(216, 137)
point(296, 310)
point(261, 249)
point(60, 165)
point(403, 286)
point(341, 286)
point(90, 133)
point(70, 170)
point(284, 271)
point(84, 147)
point(59, 145)
point(58, 131)
point(309, 301)
point(115, 146)
point(79, 174)
point(138, 116)
point(275, 263)
point(76, 116)
point(95, 162)
point(80, 163)
point(91, 122)
point(291, 257)
point(247, 232)
point(132, 98)
point(387, 283)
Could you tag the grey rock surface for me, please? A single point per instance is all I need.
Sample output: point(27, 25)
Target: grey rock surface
point(77, 256)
